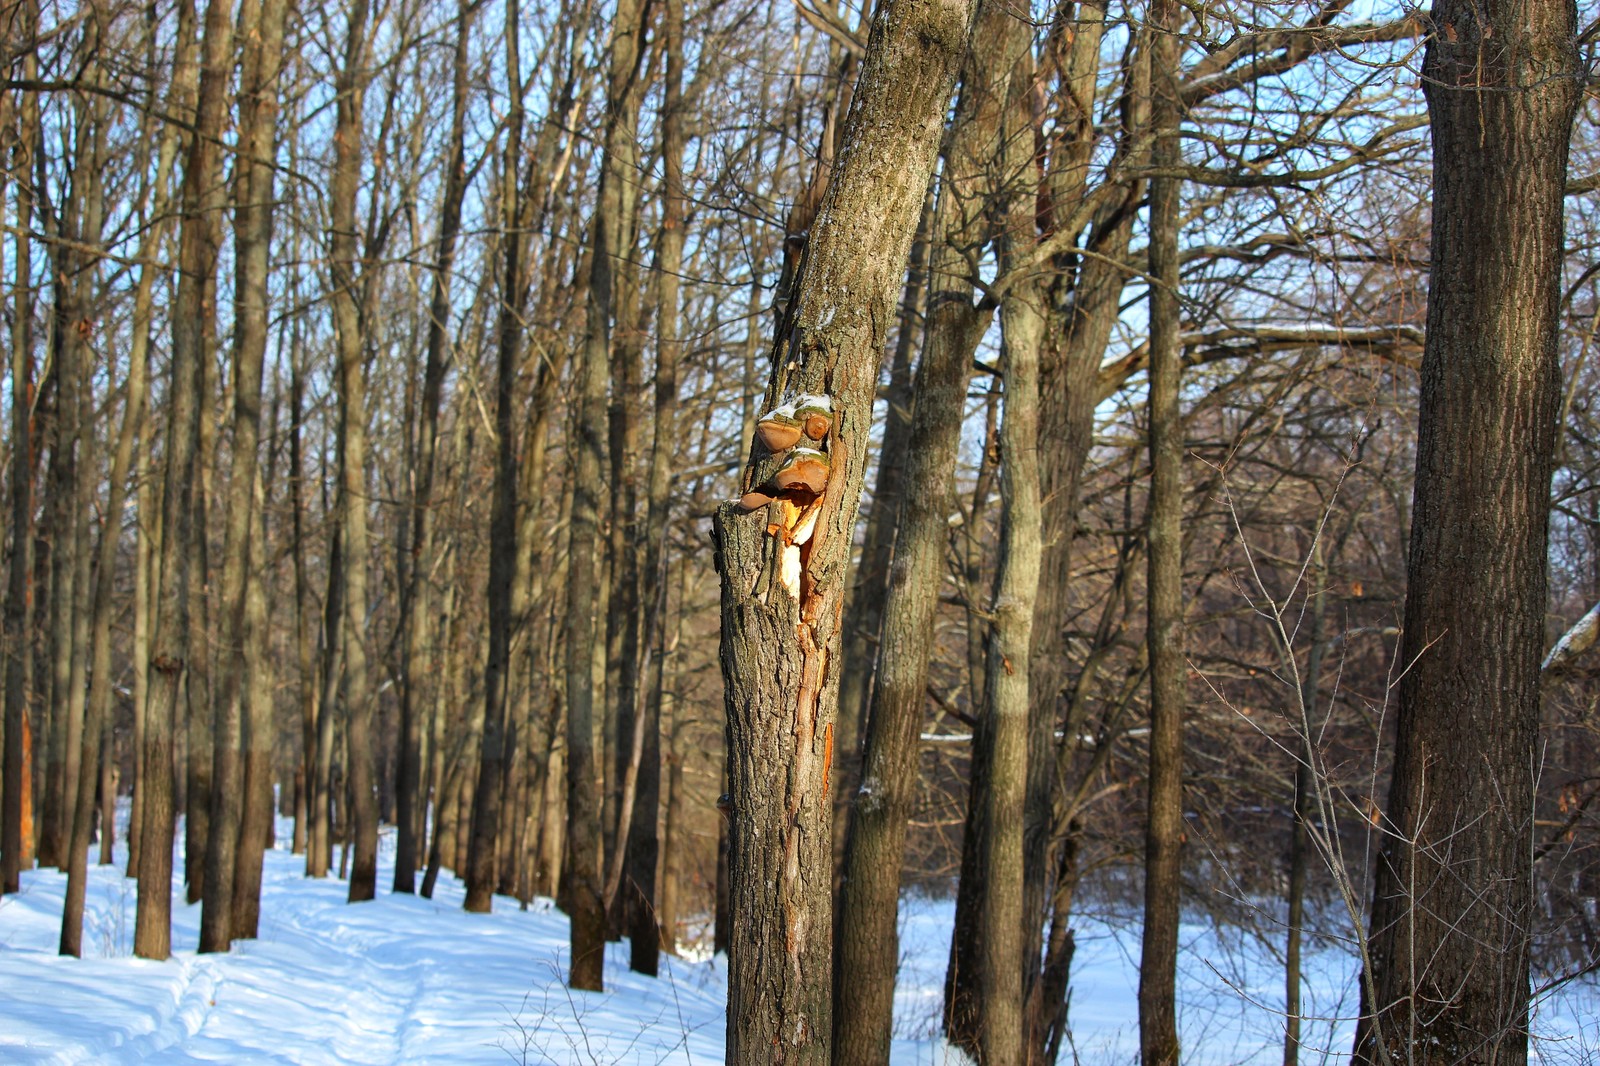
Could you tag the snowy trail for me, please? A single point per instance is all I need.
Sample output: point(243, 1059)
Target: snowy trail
point(403, 980)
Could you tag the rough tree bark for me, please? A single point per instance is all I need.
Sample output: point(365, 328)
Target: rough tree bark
point(784, 564)
point(867, 952)
point(1158, 962)
point(1452, 909)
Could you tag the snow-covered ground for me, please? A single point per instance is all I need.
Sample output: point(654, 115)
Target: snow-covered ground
point(408, 980)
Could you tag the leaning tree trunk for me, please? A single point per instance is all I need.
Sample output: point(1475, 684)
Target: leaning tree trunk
point(868, 953)
point(784, 563)
point(1453, 907)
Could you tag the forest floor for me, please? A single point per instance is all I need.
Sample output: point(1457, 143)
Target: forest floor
point(409, 980)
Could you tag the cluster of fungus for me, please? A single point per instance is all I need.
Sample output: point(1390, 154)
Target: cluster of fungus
point(796, 435)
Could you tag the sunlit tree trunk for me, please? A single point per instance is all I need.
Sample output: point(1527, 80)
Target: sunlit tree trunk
point(169, 649)
point(347, 316)
point(784, 564)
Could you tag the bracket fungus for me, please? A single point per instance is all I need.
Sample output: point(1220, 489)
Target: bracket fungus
point(777, 433)
point(805, 468)
point(795, 434)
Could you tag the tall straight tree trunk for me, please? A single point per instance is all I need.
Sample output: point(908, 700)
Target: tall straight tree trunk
point(1023, 317)
point(260, 734)
point(157, 223)
point(63, 383)
point(868, 954)
point(1452, 907)
point(1158, 964)
point(305, 830)
point(411, 800)
point(95, 733)
point(349, 328)
point(261, 28)
point(584, 890)
point(495, 755)
point(643, 845)
point(784, 565)
point(197, 256)
point(19, 581)
point(1068, 384)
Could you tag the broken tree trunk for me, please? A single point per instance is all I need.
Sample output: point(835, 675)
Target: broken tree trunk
point(784, 563)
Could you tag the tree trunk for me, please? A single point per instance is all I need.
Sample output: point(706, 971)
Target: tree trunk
point(347, 315)
point(261, 26)
point(170, 643)
point(868, 945)
point(1452, 905)
point(1164, 832)
point(19, 612)
point(1304, 767)
point(783, 590)
point(645, 926)
point(411, 800)
point(584, 890)
point(244, 596)
point(494, 756)
point(95, 728)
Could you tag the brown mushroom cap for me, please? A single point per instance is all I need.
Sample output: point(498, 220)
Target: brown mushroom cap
point(806, 469)
point(815, 424)
point(778, 436)
point(754, 501)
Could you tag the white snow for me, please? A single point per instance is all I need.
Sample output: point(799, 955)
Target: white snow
point(408, 980)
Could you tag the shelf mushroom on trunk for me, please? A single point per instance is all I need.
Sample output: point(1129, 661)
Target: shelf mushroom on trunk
point(796, 435)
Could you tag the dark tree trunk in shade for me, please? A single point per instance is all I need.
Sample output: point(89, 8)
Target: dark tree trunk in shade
point(783, 591)
point(1452, 906)
point(495, 755)
point(261, 26)
point(411, 796)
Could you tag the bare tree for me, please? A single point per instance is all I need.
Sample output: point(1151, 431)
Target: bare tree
point(1454, 886)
